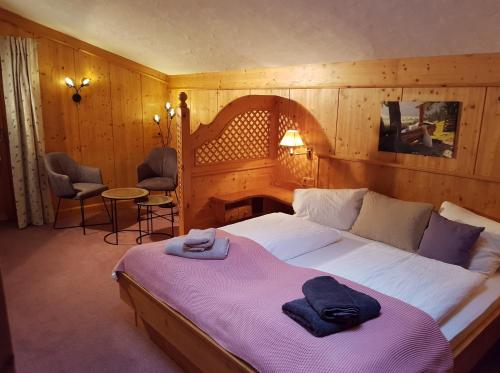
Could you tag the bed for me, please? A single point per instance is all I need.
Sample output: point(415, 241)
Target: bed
point(473, 317)
point(218, 158)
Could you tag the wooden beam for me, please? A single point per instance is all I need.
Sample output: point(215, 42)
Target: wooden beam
point(441, 71)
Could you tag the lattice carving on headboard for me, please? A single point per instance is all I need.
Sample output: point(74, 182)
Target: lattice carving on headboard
point(246, 137)
point(292, 168)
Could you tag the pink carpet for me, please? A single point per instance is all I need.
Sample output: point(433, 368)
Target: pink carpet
point(64, 309)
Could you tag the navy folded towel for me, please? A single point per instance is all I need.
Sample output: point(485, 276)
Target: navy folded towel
point(304, 314)
point(331, 300)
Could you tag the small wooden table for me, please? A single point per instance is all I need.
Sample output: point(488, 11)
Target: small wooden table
point(249, 203)
point(120, 194)
point(149, 203)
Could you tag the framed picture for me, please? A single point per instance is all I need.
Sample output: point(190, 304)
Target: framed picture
point(414, 127)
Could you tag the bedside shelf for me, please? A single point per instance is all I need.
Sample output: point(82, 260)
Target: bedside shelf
point(232, 207)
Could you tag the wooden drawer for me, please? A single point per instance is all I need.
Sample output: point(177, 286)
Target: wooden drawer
point(238, 213)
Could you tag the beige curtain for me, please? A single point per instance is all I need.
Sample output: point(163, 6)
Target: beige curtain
point(21, 87)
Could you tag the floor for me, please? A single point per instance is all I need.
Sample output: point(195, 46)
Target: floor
point(64, 309)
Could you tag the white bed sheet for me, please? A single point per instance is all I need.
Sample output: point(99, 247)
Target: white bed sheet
point(471, 308)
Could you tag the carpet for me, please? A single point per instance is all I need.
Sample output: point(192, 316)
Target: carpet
point(64, 309)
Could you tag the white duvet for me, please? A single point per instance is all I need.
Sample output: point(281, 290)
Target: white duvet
point(430, 285)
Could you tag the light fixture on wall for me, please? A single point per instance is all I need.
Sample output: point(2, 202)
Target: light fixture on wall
point(292, 140)
point(71, 84)
point(170, 110)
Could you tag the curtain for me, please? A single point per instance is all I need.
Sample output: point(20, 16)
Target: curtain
point(21, 88)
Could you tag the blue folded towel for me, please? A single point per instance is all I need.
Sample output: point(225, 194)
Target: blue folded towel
point(330, 299)
point(219, 250)
point(199, 239)
point(304, 314)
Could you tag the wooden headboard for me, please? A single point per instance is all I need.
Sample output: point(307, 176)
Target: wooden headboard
point(239, 150)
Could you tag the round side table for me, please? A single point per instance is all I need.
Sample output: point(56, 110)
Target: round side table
point(149, 203)
point(121, 194)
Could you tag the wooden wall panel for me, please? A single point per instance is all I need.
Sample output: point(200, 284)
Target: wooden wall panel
point(154, 97)
point(281, 92)
point(358, 122)
point(7, 203)
point(60, 114)
point(468, 129)
point(488, 157)
point(458, 71)
point(9, 28)
point(95, 119)
point(225, 96)
point(323, 105)
point(128, 134)
point(203, 105)
point(412, 185)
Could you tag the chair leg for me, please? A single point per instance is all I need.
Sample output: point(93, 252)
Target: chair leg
point(57, 214)
point(172, 220)
point(106, 207)
point(82, 210)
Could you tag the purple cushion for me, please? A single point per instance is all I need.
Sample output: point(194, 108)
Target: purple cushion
point(449, 241)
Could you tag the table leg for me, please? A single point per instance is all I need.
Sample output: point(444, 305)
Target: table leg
point(140, 228)
point(151, 215)
point(116, 220)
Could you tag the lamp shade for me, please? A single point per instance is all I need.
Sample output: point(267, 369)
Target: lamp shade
point(69, 82)
point(291, 138)
point(85, 82)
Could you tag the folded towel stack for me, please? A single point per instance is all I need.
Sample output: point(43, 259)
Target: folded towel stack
point(199, 239)
point(199, 244)
point(330, 307)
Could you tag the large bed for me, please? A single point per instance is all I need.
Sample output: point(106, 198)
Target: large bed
point(456, 325)
point(456, 309)
point(469, 322)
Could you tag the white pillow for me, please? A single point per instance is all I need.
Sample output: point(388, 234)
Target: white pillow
point(486, 252)
point(337, 208)
point(285, 236)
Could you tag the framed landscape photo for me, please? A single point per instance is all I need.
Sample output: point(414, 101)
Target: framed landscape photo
point(419, 127)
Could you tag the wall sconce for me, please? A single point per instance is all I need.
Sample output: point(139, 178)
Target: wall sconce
point(165, 141)
point(71, 84)
point(292, 140)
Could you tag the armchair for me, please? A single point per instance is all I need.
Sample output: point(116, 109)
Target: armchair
point(159, 171)
point(69, 180)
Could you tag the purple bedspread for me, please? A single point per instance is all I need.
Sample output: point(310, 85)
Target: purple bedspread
point(237, 301)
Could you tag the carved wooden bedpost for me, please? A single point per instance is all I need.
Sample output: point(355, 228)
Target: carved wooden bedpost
point(185, 163)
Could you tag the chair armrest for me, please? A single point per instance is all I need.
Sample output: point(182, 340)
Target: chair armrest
point(61, 185)
point(144, 172)
point(88, 174)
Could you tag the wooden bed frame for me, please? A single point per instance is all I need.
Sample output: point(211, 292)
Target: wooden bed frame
point(199, 164)
point(194, 350)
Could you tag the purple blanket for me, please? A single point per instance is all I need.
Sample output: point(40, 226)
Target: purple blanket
point(237, 301)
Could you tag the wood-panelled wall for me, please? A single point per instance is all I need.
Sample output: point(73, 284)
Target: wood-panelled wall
point(112, 127)
point(345, 102)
